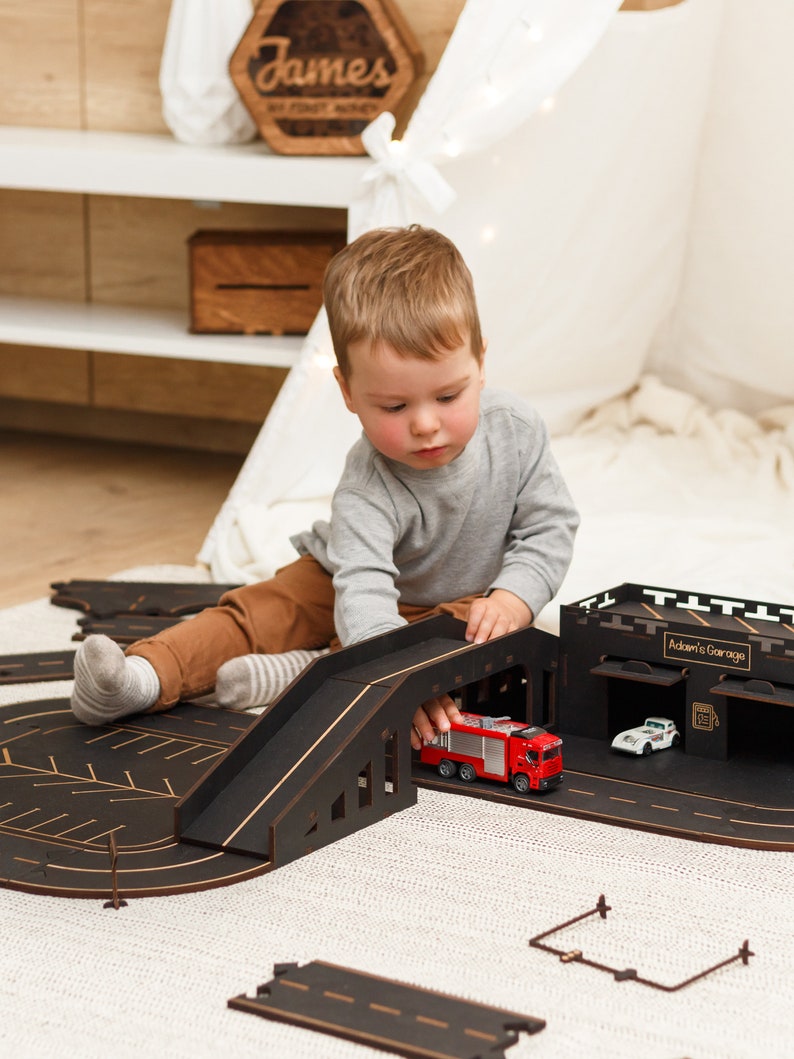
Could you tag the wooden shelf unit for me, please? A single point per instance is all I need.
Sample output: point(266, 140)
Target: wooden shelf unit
point(95, 212)
point(155, 166)
point(146, 332)
point(124, 163)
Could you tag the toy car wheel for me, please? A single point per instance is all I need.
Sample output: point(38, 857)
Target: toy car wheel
point(466, 772)
point(447, 768)
point(676, 739)
point(521, 783)
point(646, 749)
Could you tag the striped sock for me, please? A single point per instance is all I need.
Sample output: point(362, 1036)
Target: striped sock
point(108, 684)
point(256, 680)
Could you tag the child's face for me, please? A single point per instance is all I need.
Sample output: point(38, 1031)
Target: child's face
point(418, 412)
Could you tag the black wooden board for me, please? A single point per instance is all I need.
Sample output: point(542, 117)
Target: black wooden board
point(103, 599)
point(36, 666)
point(737, 803)
point(196, 797)
point(68, 787)
point(383, 1013)
point(125, 628)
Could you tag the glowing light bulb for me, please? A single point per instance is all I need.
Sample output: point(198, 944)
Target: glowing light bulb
point(323, 360)
point(452, 148)
point(534, 30)
point(492, 94)
point(487, 234)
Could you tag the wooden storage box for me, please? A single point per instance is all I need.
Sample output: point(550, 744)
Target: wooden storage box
point(258, 282)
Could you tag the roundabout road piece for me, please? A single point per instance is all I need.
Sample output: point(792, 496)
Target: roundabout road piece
point(68, 790)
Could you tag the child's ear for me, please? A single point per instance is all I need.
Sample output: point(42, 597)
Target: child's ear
point(482, 362)
point(346, 395)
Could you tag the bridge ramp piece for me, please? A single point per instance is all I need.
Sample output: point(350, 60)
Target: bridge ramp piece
point(315, 759)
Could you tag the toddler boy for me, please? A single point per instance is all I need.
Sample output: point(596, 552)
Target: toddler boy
point(450, 502)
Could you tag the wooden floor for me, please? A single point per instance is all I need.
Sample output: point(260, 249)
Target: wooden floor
point(74, 508)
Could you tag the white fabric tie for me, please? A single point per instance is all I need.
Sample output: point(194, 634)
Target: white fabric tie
point(396, 168)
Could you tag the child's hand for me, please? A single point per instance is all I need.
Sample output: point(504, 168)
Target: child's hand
point(489, 616)
point(433, 716)
point(494, 615)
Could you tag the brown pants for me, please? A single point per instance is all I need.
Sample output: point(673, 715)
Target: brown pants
point(294, 609)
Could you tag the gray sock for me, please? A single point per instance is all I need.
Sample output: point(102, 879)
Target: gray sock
point(108, 685)
point(256, 680)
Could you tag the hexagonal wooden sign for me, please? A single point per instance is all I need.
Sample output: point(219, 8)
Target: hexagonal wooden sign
point(315, 73)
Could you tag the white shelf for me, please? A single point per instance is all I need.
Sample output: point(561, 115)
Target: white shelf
point(114, 163)
point(132, 164)
point(145, 332)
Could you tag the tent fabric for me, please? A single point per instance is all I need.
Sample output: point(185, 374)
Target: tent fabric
point(577, 242)
point(497, 69)
point(459, 113)
point(676, 494)
point(731, 337)
point(630, 247)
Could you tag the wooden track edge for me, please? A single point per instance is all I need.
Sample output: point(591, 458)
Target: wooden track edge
point(132, 893)
point(507, 798)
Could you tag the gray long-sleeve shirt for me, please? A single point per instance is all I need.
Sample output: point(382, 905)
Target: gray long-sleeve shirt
point(498, 516)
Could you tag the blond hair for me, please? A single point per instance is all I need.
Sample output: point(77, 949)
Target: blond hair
point(407, 287)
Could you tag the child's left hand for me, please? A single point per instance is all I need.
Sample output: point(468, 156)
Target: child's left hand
point(495, 615)
point(433, 716)
point(489, 617)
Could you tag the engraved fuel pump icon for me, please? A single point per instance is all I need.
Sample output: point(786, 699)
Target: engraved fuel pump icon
point(704, 717)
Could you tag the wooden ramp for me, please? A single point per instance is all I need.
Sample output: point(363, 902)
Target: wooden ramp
point(333, 753)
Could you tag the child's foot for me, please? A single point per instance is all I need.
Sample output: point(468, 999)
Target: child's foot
point(108, 684)
point(256, 680)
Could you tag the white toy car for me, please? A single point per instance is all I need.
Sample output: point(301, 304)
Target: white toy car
point(658, 733)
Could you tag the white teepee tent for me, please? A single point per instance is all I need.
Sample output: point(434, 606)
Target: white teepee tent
point(619, 183)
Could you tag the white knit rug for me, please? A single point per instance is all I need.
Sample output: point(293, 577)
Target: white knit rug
point(445, 896)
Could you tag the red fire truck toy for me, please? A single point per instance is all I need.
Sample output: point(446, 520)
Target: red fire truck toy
point(496, 748)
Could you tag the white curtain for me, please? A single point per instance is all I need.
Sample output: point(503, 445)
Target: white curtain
point(731, 341)
point(504, 63)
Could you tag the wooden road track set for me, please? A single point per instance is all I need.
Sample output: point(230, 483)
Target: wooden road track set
point(199, 797)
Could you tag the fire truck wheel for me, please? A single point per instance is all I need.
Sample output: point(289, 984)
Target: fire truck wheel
point(447, 768)
point(521, 783)
point(466, 772)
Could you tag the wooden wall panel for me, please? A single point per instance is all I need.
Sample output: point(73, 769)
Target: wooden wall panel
point(432, 25)
point(123, 45)
point(185, 387)
point(138, 247)
point(103, 73)
point(40, 63)
point(30, 373)
point(95, 64)
point(42, 252)
point(187, 432)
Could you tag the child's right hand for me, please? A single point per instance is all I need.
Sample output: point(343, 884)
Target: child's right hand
point(433, 716)
point(494, 615)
